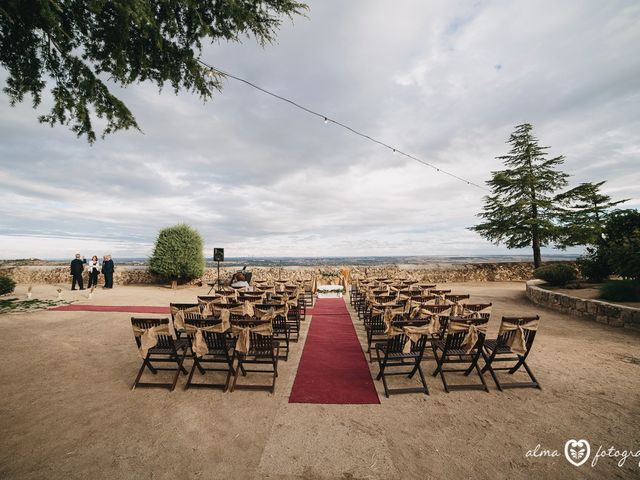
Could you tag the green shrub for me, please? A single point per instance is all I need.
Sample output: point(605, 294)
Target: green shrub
point(177, 254)
point(556, 273)
point(594, 265)
point(621, 243)
point(7, 285)
point(621, 291)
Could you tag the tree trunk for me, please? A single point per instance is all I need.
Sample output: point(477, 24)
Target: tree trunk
point(537, 258)
point(174, 284)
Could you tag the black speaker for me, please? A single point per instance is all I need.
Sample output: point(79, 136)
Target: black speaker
point(218, 254)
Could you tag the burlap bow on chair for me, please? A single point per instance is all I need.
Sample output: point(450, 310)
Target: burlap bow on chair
point(178, 315)
point(460, 310)
point(243, 343)
point(438, 300)
point(246, 309)
point(210, 308)
point(472, 335)
point(422, 312)
point(413, 333)
point(149, 336)
point(198, 344)
point(517, 342)
point(272, 312)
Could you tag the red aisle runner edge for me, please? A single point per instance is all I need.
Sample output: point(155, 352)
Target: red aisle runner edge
point(111, 308)
point(333, 368)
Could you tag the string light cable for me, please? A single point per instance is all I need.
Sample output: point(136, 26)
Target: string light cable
point(327, 119)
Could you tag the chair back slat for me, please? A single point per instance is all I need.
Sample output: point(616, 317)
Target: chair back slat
point(454, 339)
point(439, 292)
point(456, 297)
point(214, 340)
point(164, 341)
point(529, 335)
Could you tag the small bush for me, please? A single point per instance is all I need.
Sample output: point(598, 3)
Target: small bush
point(621, 291)
point(177, 254)
point(556, 273)
point(594, 265)
point(7, 285)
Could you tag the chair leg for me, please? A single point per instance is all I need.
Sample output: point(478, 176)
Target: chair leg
point(439, 361)
point(235, 377)
point(135, 382)
point(382, 363)
point(275, 374)
point(474, 362)
point(195, 365)
point(488, 361)
point(518, 364)
point(422, 379)
point(484, 383)
point(533, 379)
point(147, 363)
point(180, 368)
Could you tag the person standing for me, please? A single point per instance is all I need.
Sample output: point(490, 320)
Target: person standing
point(94, 271)
point(77, 267)
point(107, 270)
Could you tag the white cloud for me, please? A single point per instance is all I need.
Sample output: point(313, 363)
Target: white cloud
point(443, 81)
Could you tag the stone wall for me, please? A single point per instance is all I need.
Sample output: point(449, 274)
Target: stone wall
point(596, 310)
point(436, 273)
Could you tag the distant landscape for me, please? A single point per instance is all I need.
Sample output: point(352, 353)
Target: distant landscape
point(321, 261)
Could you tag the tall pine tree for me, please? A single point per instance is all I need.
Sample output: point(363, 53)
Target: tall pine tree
point(521, 209)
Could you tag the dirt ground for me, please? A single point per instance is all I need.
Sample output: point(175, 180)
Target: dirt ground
point(67, 410)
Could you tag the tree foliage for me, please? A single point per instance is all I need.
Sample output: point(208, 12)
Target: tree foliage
point(621, 243)
point(7, 285)
point(73, 47)
point(618, 250)
point(582, 213)
point(520, 211)
point(178, 254)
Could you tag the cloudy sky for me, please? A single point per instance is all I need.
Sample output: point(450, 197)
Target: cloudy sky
point(445, 81)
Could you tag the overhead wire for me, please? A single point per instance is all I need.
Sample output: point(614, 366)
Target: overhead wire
point(328, 119)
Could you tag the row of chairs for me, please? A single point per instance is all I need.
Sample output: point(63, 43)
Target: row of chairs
point(199, 334)
point(400, 340)
point(219, 355)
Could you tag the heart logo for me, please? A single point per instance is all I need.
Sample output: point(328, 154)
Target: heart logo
point(577, 451)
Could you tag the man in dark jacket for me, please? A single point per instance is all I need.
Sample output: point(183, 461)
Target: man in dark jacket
point(107, 271)
point(77, 267)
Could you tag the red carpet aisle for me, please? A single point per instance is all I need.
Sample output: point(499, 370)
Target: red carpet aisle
point(333, 368)
point(111, 308)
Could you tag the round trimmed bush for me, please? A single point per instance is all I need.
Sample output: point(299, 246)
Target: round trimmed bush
point(177, 254)
point(7, 285)
point(556, 273)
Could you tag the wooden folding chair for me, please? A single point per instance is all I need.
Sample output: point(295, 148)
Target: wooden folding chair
point(514, 342)
point(263, 350)
point(394, 358)
point(189, 310)
point(219, 352)
point(281, 327)
point(374, 324)
point(455, 298)
point(293, 321)
point(462, 344)
point(442, 313)
point(167, 349)
point(480, 309)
